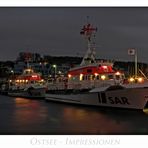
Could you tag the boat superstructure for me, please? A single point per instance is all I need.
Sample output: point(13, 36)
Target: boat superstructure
point(90, 73)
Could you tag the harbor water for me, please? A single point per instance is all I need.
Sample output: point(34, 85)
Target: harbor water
point(32, 116)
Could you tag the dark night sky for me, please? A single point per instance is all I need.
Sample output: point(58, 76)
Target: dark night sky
point(55, 31)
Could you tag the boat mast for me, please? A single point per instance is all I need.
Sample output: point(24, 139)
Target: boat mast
point(27, 59)
point(133, 52)
point(88, 31)
point(136, 64)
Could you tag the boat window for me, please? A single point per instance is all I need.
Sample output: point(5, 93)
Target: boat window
point(93, 77)
point(75, 78)
point(89, 70)
point(83, 78)
point(89, 77)
point(110, 76)
point(123, 76)
point(98, 77)
point(115, 87)
point(60, 80)
point(31, 82)
point(50, 80)
point(117, 77)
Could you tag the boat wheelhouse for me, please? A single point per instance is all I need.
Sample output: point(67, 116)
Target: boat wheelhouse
point(94, 75)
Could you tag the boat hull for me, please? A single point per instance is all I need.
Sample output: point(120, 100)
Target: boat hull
point(130, 98)
point(33, 93)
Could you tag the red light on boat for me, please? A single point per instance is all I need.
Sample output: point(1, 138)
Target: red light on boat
point(34, 76)
point(104, 67)
point(96, 74)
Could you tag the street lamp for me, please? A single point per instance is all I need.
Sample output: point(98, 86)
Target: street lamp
point(55, 67)
point(12, 71)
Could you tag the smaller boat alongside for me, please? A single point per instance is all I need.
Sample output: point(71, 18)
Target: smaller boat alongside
point(28, 85)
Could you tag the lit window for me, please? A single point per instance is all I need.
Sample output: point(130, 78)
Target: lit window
point(103, 77)
point(140, 80)
point(131, 79)
point(81, 77)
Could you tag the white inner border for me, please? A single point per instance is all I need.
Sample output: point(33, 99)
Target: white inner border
point(24, 141)
point(73, 3)
point(73, 141)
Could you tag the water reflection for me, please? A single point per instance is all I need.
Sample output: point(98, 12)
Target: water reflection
point(93, 122)
point(26, 116)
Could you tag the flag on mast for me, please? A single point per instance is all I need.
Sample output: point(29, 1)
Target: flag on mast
point(131, 51)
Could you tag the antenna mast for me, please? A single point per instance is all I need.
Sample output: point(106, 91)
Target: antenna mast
point(88, 31)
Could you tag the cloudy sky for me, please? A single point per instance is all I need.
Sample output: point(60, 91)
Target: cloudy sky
point(56, 31)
